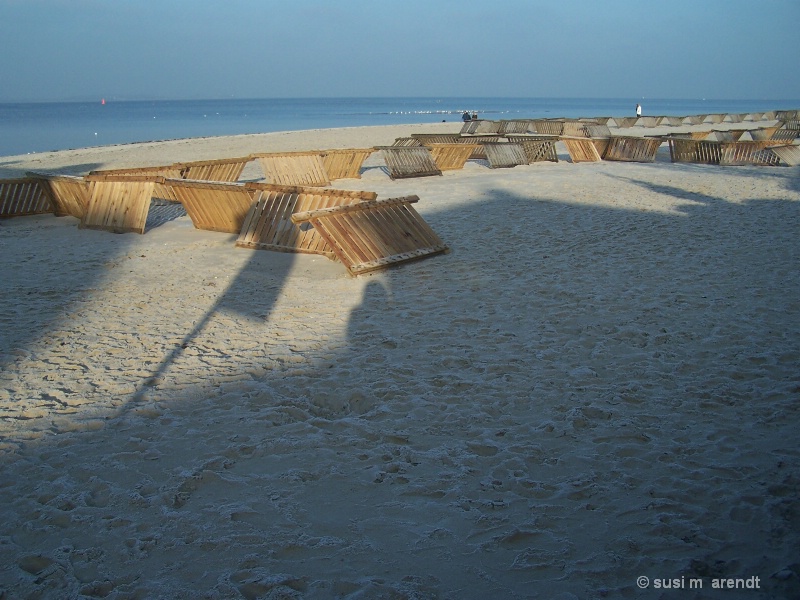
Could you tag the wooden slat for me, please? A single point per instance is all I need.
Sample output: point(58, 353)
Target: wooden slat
point(505, 155)
point(119, 205)
point(68, 194)
point(226, 169)
point(451, 156)
point(748, 153)
point(294, 168)
point(268, 224)
point(426, 139)
point(409, 161)
point(375, 234)
point(632, 149)
point(164, 171)
point(581, 149)
point(345, 163)
point(214, 206)
point(789, 154)
point(547, 126)
point(23, 196)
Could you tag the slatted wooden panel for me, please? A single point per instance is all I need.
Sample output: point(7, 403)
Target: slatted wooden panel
point(451, 156)
point(581, 149)
point(469, 127)
point(694, 151)
point(373, 235)
point(672, 121)
point(785, 115)
point(119, 205)
point(597, 131)
point(632, 149)
point(793, 124)
point(694, 119)
point(345, 163)
point(294, 168)
point(437, 138)
point(409, 161)
point(487, 127)
point(406, 141)
point(68, 195)
point(214, 206)
point(547, 126)
point(785, 135)
point(574, 128)
point(226, 169)
point(159, 173)
point(714, 118)
point(268, 225)
point(511, 127)
point(748, 153)
point(23, 196)
point(789, 154)
point(505, 155)
point(732, 118)
point(537, 148)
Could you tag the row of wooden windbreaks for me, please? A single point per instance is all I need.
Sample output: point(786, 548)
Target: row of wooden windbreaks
point(296, 211)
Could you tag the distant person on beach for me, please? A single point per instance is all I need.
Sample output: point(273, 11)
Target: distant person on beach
point(638, 110)
point(465, 117)
point(474, 116)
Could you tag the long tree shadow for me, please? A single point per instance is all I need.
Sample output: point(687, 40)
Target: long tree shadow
point(577, 395)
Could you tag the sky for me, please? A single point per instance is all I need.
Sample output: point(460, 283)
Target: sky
point(62, 50)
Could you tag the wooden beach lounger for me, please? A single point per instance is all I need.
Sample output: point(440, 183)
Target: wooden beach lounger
point(213, 206)
point(294, 168)
point(68, 194)
point(23, 196)
point(269, 226)
point(409, 161)
point(367, 236)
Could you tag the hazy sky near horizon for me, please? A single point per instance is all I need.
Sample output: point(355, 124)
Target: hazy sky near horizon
point(189, 49)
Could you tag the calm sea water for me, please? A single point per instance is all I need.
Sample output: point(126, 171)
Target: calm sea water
point(40, 127)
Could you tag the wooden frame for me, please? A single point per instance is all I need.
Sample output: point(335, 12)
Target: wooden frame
point(268, 224)
point(722, 153)
point(632, 149)
point(23, 196)
point(213, 205)
point(451, 156)
point(366, 236)
point(537, 148)
point(345, 163)
point(789, 154)
point(119, 204)
point(224, 169)
point(68, 194)
point(505, 155)
point(409, 161)
point(294, 168)
point(582, 149)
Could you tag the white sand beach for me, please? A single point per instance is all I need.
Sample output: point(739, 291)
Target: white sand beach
point(599, 382)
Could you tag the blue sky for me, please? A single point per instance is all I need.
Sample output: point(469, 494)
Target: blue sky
point(182, 49)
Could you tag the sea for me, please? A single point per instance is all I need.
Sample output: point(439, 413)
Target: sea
point(27, 128)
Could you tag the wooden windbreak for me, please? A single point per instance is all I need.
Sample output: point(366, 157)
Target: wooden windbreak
point(649, 121)
point(118, 204)
point(426, 139)
point(345, 163)
point(624, 122)
point(409, 161)
point(722, 153)
point(574, 128)
point(23, 196)
point(505, 155)
point(226, 169)
point(582, 149)
point(406, 141)
point(597, 131)
point(672, 121)
point(512, 127)
point(373, 235)
point(451, 156)
point(789, 154)
point(68, 194)
point(212, 205)
point(159, 173)
point(632, 149)
point(536, 148)
point(269, 226)
point(547, 126)
point(294, 168)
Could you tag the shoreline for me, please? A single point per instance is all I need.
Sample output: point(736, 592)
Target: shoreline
point(597, 383)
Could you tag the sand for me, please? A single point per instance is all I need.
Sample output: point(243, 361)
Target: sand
point(599, 382)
